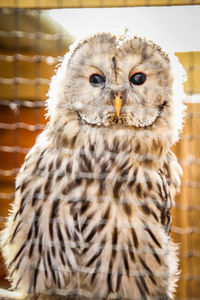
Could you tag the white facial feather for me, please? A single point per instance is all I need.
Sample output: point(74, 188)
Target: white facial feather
point(154, 103)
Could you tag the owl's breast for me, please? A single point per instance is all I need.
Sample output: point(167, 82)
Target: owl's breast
point(122, 212)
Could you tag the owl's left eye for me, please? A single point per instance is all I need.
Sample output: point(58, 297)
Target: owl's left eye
point(97, 80)
point(138, 78)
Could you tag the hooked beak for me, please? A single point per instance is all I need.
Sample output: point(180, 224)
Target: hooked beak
point(118, 103)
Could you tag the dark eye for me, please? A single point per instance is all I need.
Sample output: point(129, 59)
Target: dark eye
point(138, 78)
point(97, 80)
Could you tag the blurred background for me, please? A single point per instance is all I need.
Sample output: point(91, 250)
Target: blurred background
point(35, 33)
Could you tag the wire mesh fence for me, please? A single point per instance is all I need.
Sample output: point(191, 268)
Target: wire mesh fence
point(30, 47)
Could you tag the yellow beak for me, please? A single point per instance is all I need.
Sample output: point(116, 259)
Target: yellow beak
point(118, 103)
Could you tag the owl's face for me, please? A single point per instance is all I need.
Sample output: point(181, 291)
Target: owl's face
point(117, 83)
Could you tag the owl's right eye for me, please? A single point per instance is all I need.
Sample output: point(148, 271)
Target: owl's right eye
point(97, 80)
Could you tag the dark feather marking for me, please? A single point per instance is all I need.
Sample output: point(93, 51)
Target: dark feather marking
point(91, 234)
point(94, 257)
point(160, 191)
point(134, 236)
point(163, 216)
point(50, 166)
point(69, 168)
point(98, 264)
point(15, 231)
point(51, 229)
point(119, 279)
point(164, 187)
point(67, 232)
point(62, 258)
point(60, 237)
point(54, 212)
point(22, 204)
point(36, 221)
point(78, 181)
point(104, 167)
point(24, 185)
point(104, 218)
point(144, 284)
point(58, 280)
point(36, 195)
point(124, 165)
point(18, 282)
point(31, 248)
point(18, 254)
point(45, 267)
point(55, 208)
point(124, 254)
point(17, 213)
point(148, 181)
point(68, 188)
point(154, 215)
point(36, 274)
point(146, 209)
point(138, 148)
point(47, 187)
point(115, 146)
point(19, 262)
point(86, 222)
point(53, 250)
point(133, 180)
point(114, 63)
point(153, 236)
point(70, 266)
point(155, 254)
point(150, 273)
point(58, 163)
point(114, 242)
point(40, 245)
point(140, 288)
point(85, 205)
point(127, 208)
point(75, 236)
point(76, 224)
point(37, 164)
point(139, 190)
point(130, 248)
point(116, 189)
point(85, 249)
point(107, 213)
point(17, 266)
point(125, 172)
point(73, 140)
point(50, 266)
point(109, 277)
point(91, 148)
point(101, 186)
point(86, 164)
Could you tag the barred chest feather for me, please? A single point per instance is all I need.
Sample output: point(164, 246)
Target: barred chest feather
point(93, 219)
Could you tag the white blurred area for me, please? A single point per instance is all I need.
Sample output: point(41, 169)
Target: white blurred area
point(175, 28)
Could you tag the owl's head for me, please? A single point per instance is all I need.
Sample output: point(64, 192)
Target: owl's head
point(116, 82)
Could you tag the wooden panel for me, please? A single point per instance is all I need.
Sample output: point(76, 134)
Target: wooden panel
point(186, 214)
point(92, 3)
point(191, 63)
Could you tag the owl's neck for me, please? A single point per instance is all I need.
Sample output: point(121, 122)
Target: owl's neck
point(143, 147)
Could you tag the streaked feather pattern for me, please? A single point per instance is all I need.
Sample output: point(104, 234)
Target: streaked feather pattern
point(92, 211)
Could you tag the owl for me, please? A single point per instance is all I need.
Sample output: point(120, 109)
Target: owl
point(91, 217)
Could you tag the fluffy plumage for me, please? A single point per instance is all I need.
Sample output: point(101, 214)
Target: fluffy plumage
point(91, 215)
